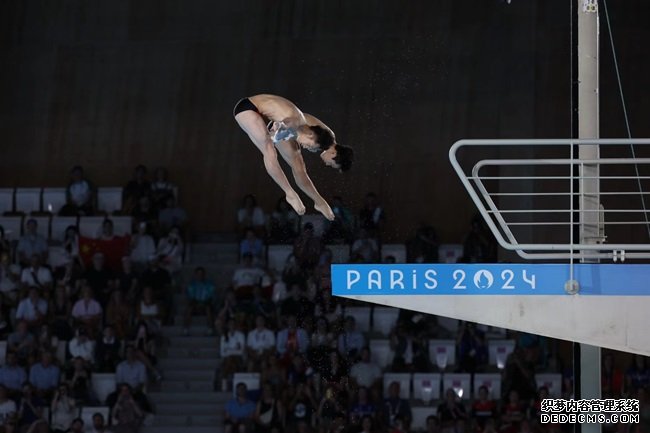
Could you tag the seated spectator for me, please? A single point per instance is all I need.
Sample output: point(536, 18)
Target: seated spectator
point(322, 342)
point(160, 281)
point(334, 371)
point(451, 413)
point(367, 424)
point(131, 371)
point(127, 280)
point(126, 413)
point(87, 311)
point(172, 215)
point(77, 426)
point(145, 349)
point(99, 424)
point(366, 247)
point(46, 341)
point(143, 247)
point(612, 378)
point(32, 309)
point(9, 281)
point(119, 313)
point(59, 310)
point(479, 245)
point(252, 245)
point(31, 244)
point(79, 382)
point(365, 372)
point(293, 274)
point(423, 248)
point(637, 375)
point(7, 407)
point(273, 372)
point(372, 216)
point(246, 277)
point(63, 409)
point(362, 408)
point(200, 296)
point(291, 340)
point(170, 251)
point(138, 187)
point(81, 196)
point(82, 347)
point(297, 305)
point(402, 344)
point(21, 342)
point(37, 275)
point(251, 215)
point(227, 310)
point(5, 244)
point(145, 212)
point(512, 414)
point(328, 306)
point(260, 343)
point(239, 412)
point(12, 375)
point(259, 305)
point(269, 412)
point(519, 375)
point(283, 223)
point(44, 376)
point(30, 411)
point(233, 350)
point(472, 349)
point(340, 230)
point(99, 278)
point(107, 351)
point(307, 248)
point(149, 311)
point(302, 409)
point(68, 265)
point(350, 341)
point(396, 407)
point(329, 409)
point(161, 187)
point(483, 409)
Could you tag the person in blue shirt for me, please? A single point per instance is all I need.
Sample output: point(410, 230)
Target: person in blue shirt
point(239, 412)
point(45, 376)
point(12, 375)
point(201, 296)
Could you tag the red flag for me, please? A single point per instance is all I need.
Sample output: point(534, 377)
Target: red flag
point(113, 250)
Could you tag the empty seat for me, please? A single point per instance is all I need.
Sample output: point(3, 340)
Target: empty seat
point(11, 225)
point(442, 353)
point(103, 385)
point(384, 319)
point(54, 199)
point(398, 251)
point(381, 353)
point(450, 253)
point(91, 226)
point(6, 200)
point(419, 417)
point(426, 386)
point(492, 381)
point(109, 200)
point(252, 381)
point(28, 200)
point(122, 225)
point(87, 413)
point(361, 317)
point(317, 220)
point(59, 225)
point(277, 256)
point(499, 350)
point(340, 253)
point(404, 380)
point(42, 225)
point(459, 382)
point(552, 381)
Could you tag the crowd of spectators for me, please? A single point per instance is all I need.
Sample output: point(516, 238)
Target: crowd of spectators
point(317, 372)
point(66, 321)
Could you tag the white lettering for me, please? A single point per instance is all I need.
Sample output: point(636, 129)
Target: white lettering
point(530, 281)
point(507, 275)
point(353, 280)
point(429, 276)
point(374, 277)
point(395, 281)
point(459, 277)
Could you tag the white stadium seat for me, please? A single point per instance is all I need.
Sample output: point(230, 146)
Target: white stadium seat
point(499, 350)
point(459, 382)
point(404, 380)
point(384, 319)
point(28, 200)
point(361, 317)
point(552, 381)
point(426, 386)
point(53, 199)
point(109, 200)
point(316, 219)
point(396, 250)
point(442, 353)
point(103, 385)
point(59, 226)
point(91, 226)
point(492, 381)
point(450, 253)
point(11, 226)
point(419, 415)
point(122, 225)
point(252, 381)
point(381, 353)
point(277, 256)
point(6, 200)
point(42, 225)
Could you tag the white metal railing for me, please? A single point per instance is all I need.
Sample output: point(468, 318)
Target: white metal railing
point(538, 202)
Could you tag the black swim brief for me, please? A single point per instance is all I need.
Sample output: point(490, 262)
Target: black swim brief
point(244, 104)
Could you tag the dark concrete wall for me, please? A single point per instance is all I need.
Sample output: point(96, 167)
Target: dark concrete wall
point(110, 84)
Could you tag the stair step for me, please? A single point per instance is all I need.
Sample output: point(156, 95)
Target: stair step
point(189, 397)
point(188, 420)
point(194, 342)
point(205, 409)
point(192, 375)
point(186, 429)
point(188, 364)
point(196, 353)
point(198, 328)
point(186, 385)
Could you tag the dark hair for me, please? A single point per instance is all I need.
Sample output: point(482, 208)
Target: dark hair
point(324, 138)
point(249, 197)
point(344, 156)
point(98, 414)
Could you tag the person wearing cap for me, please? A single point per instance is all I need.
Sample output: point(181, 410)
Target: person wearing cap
point(31, 243)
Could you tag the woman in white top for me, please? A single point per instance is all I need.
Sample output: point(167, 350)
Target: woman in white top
point(170, 250)
point(161, 187)
point(233, 349)
point(143, 247)
point(63, 409)
point(148, 311)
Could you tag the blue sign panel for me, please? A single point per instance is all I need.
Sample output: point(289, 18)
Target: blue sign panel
point(490, 279)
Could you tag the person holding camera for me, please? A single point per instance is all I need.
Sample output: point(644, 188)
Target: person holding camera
point(63, 410)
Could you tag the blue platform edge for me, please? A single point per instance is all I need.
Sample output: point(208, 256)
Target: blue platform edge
point(490, 279)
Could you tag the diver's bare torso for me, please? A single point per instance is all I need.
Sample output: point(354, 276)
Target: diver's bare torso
point(278, 109)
